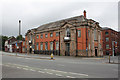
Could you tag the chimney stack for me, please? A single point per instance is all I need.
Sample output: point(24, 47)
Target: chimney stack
point(84, 12)
point(19, 27)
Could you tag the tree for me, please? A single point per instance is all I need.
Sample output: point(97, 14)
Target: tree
point(3, 39)
point(19, 37)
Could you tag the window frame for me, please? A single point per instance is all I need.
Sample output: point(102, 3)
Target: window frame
point(41, 44)
point(46, 36)
point(50, 34)
point(57, 34)
point(46, 46)
point(41, 36)
point(79, 33)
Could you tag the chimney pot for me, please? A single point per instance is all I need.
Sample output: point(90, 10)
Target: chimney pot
point(84, 12)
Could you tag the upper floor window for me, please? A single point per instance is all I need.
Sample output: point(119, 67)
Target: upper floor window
point(79, 33)
point(107, 46)
point(68, 32)
point(57, 33)
point(41, 36)
point(95, 34)
point(106, 39)
point(23, 43)
point(46, 35)
point(51, 34)
point(106, 33)
point(37, 36)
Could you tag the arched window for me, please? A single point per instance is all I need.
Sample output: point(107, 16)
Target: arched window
point(68, 32)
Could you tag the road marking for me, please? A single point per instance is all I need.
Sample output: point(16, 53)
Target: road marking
point(7, 65)
point(78, 74)
point(27, 58)
point(58, 74)
point(19, 68)
point(32, 70)
point(41, 71)
point(70, 77)
point(25, 68)
point(45, 69)
point(61, 71)
point(49, 73)
point(53, 70)
point(19, 57)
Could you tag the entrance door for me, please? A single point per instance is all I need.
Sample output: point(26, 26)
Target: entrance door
point(95, 52)
point(30, 50)
point(67, 51)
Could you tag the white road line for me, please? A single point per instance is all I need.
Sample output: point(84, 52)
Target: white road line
point(7, 65)
point(61, 71)
point(58, 74)
point(27, 58)
point(78, 74)
point(32, 70)
point(41, 71)
point(19, 57)
point(49, 73)
point(25, 68)
point(45, 69)
point(70, 77)
point(19, 68)
point(53, 70)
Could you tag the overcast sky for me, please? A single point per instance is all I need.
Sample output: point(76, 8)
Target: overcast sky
point(34, 13)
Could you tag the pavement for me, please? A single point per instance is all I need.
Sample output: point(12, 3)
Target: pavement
point(41, 66)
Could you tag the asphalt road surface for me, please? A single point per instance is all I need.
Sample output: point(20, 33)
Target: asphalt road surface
point(61, 67)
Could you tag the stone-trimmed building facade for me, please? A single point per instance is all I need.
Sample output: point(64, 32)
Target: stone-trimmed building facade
point(76, 36)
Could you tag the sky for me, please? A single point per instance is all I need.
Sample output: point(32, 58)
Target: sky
point(34, 13)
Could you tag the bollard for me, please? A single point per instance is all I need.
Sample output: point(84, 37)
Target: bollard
point(51, 55)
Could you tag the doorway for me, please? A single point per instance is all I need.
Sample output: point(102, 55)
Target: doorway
point(30, 50)
point(67, 51)
point(95, 52)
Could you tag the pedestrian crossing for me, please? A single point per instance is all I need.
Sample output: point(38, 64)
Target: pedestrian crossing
point(57, 73)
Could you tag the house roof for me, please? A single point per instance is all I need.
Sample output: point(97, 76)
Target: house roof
point(61, 22)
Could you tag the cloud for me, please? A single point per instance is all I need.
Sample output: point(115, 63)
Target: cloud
point(34, 13)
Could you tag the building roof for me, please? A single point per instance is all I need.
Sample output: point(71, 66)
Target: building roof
point(61, 22)
point(107, 28)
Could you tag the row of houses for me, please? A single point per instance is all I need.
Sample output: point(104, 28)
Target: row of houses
point(76, 36)
point(14, 45)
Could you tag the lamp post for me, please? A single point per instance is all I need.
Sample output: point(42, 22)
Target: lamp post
point(113, 50)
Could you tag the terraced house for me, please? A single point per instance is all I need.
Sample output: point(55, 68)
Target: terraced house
point(76, 36)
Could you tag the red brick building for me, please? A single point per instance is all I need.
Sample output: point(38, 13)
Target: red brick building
point(110, 41)
point(119, 43)
point(76, 36)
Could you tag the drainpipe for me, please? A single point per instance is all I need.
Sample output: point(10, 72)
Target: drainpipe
point(59, 42)
point(86, 42)
point(76, 44)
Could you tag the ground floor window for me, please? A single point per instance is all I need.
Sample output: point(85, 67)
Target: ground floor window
point(41, 46)
point(37, 47)
point(46, 46)
point(51, 45)
point(57, 45)
point(107, 52)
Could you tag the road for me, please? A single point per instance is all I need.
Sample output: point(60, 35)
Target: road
point(61, 67)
